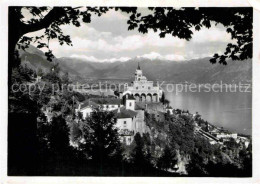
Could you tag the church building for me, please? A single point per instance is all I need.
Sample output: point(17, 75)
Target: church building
point(142, 89)
point(129, 110)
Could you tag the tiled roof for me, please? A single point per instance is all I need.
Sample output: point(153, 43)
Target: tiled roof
point(150, 106)
point(124, 113)
point(94, 102)
point(106, 101)
point(139, 106)
point(88, 103)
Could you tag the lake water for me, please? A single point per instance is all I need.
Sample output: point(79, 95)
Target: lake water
point(231, 110)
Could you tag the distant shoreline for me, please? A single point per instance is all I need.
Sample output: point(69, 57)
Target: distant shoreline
point(197, 85)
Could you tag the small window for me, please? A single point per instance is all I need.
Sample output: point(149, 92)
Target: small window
point(124, 122)
point(130, 104)
point(136, 87)
point(149, 87)
point(129, 139)
point(143, 86)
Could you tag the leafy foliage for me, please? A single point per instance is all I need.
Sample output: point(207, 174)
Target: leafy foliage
point(59, 135)
point(141, 155)
point(101, 137)
point(168, 159)
point(102, 146)
point(165, 20)
point(181, 22)
point(51, 20)
point(181, 134)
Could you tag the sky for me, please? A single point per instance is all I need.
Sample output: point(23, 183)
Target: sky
point(107, 39)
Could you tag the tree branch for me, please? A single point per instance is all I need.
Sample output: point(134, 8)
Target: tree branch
point(55, 14)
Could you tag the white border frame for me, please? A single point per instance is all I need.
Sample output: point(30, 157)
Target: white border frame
point(141, 3)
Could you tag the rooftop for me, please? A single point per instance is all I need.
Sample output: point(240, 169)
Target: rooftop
point(139, 106)
point(94, 102)
point(106, 101)
point(124, 113)
point(150, 106)
point(88, 103)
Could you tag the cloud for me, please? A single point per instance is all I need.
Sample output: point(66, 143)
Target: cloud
point(112, 14)
point(197, 55)
point(85, 31)
point(174, 57)
point(169, 57)
point(94, 59)
point(118, 44)
point(88, 38)
point(107, 37)
point(147, 40)
point(213, 34)
point(152, 56)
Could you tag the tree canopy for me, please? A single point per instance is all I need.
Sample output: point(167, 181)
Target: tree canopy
point(101, 136)
point(179, 22)
point(165, 20)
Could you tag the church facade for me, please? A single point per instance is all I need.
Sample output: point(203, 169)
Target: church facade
point(142, 89)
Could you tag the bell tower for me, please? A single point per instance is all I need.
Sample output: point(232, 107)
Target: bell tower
point(138, 73)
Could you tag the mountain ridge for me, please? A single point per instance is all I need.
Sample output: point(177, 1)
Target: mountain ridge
point(195, 70)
